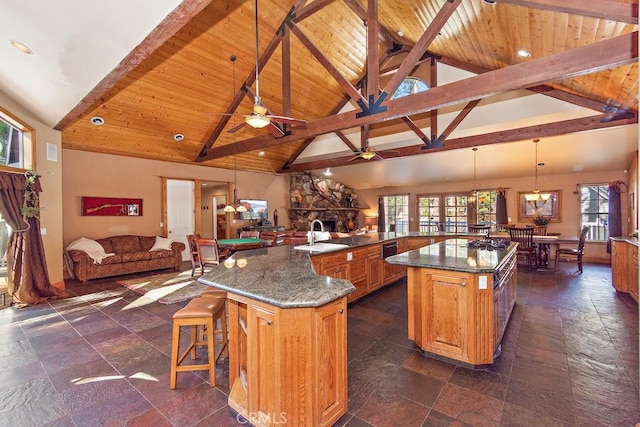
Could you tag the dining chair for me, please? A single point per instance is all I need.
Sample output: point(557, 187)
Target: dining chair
point(540, 230)
point(203, 252)
point(479, 228)
point(524, 237)
point(249, 234)
point(573, 254)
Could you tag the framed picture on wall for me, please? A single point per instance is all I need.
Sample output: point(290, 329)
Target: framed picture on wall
point(110, 206)
point(531, 206)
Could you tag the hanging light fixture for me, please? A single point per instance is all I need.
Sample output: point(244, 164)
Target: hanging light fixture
point(257, 119)
point(474, 192)
point(235, 206)
point(537, 196)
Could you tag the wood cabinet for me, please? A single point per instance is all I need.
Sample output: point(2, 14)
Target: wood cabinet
point(374, 268)
point(287, 365)
point(460, 315)
point(624, 267)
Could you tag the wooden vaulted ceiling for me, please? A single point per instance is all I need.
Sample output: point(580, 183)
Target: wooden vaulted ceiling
point(314, 57)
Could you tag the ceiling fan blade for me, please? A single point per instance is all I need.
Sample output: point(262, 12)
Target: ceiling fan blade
point(237, 127)
point(287, 120)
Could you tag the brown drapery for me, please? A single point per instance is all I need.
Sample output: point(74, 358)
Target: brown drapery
point(27, 275)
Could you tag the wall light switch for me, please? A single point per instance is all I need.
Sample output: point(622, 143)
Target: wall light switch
point(349, 256)
point(162, 224)
point(43, 230)
point(482, 282)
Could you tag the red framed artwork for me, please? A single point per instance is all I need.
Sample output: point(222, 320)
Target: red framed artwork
point(111, 206)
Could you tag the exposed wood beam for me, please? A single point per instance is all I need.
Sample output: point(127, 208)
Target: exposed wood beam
point(286, 72)
point(562, 95)
point(373, 66)
point(308, 10)
point(416, 130)
point(421, 46)
point(609, 53)
point(326, 63)
point(364, 137)
point(169, 26)
point(604, 9)
point(433, 82)
point(386, 38)
point(347, 141)
point(513, 135)
point(458, 119)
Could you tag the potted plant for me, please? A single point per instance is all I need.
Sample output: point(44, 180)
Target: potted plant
point(540, 220)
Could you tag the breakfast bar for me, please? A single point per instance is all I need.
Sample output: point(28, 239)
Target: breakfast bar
point(287, 337)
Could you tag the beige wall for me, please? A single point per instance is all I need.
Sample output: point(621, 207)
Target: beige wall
point(103, 175)
point(51, 180)
point(568, 226)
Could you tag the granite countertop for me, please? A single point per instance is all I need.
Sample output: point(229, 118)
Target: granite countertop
point(280, 276)
point(631, 240)
point(455, 255)
point(373, 238)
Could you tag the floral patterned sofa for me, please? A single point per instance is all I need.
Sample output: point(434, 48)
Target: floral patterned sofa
point(131, 254)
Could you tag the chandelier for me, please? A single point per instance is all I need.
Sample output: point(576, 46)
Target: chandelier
point(537, 196)
point(474, 192)
point(235, 206)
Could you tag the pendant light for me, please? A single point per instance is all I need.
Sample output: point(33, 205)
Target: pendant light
point(537, 196)
point(474, 192)
point(235, 206)
point(257, 119)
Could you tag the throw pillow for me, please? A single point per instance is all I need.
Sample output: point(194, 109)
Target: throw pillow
point(161, 244)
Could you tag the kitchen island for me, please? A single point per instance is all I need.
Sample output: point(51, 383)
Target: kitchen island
point(287, 337)
point(460, 297)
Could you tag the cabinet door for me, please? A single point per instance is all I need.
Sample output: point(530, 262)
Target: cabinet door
point(445, 309)
point(331, 361)
point(261, 369)
point(374, 272)
point(633, 274)
point(619, 266)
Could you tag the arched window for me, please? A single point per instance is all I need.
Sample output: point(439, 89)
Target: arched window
point(409, 86)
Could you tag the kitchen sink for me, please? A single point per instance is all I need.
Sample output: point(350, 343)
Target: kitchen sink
point(321, 247)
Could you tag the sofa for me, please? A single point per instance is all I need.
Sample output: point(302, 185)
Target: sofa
point(131, 254)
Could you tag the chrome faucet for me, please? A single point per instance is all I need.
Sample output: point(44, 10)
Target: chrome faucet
point(312, 236)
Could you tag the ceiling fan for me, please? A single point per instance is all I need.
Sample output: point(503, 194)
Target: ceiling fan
point(369, 153)
point(259, 117)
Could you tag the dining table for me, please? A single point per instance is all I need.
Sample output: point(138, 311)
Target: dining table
point(544, 243)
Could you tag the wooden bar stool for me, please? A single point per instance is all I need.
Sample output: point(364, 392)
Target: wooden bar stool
point(199, 313)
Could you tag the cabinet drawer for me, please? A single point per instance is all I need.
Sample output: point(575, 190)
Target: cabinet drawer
point(374, 251)
point(333, 260)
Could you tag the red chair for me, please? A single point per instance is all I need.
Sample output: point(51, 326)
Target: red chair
point(203, 252)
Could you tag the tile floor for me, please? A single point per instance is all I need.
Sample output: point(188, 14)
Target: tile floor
point(101, 357)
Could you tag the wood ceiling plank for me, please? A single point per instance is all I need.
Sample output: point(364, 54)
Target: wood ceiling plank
point(178, 18)
point(605, 9)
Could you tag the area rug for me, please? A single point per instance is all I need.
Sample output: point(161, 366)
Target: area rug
point(166, 288)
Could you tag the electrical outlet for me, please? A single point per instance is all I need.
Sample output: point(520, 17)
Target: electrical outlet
point(482, 282)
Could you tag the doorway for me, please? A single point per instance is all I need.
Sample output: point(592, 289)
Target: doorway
point(180, 212)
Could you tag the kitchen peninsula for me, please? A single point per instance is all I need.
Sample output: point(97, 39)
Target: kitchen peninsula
point(460, 297)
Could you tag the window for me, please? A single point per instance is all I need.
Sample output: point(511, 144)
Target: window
point(396, 213)
point(409, 86)
point(594, 210)
point(448, 212)
point(16, 142)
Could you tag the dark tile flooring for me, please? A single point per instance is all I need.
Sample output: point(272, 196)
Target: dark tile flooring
point(101, 357)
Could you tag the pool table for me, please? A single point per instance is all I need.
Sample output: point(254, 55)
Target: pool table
point(240, 244)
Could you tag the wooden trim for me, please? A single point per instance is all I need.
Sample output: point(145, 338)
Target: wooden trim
point(603, 9)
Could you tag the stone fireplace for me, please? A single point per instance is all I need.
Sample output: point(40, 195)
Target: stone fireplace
point(313, 197)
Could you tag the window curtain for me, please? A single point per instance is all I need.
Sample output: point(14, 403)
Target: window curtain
point(501, 207)
point(381, 221)
point(27, 276)
point(615, 214)
point(472, 212)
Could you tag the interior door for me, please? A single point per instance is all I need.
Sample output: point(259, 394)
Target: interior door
point(180, 212)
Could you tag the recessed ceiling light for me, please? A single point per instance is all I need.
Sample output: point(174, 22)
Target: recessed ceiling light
point(490, 1)
point(400, 33)
point(540, 163)
point(524, 53)
point(261, 153)
point(97, 120)
point(578, 167)
point(21, 47)
point(178, 137)
point(327, 172)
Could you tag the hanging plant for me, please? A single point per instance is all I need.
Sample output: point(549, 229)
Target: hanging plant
point(31, 204)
